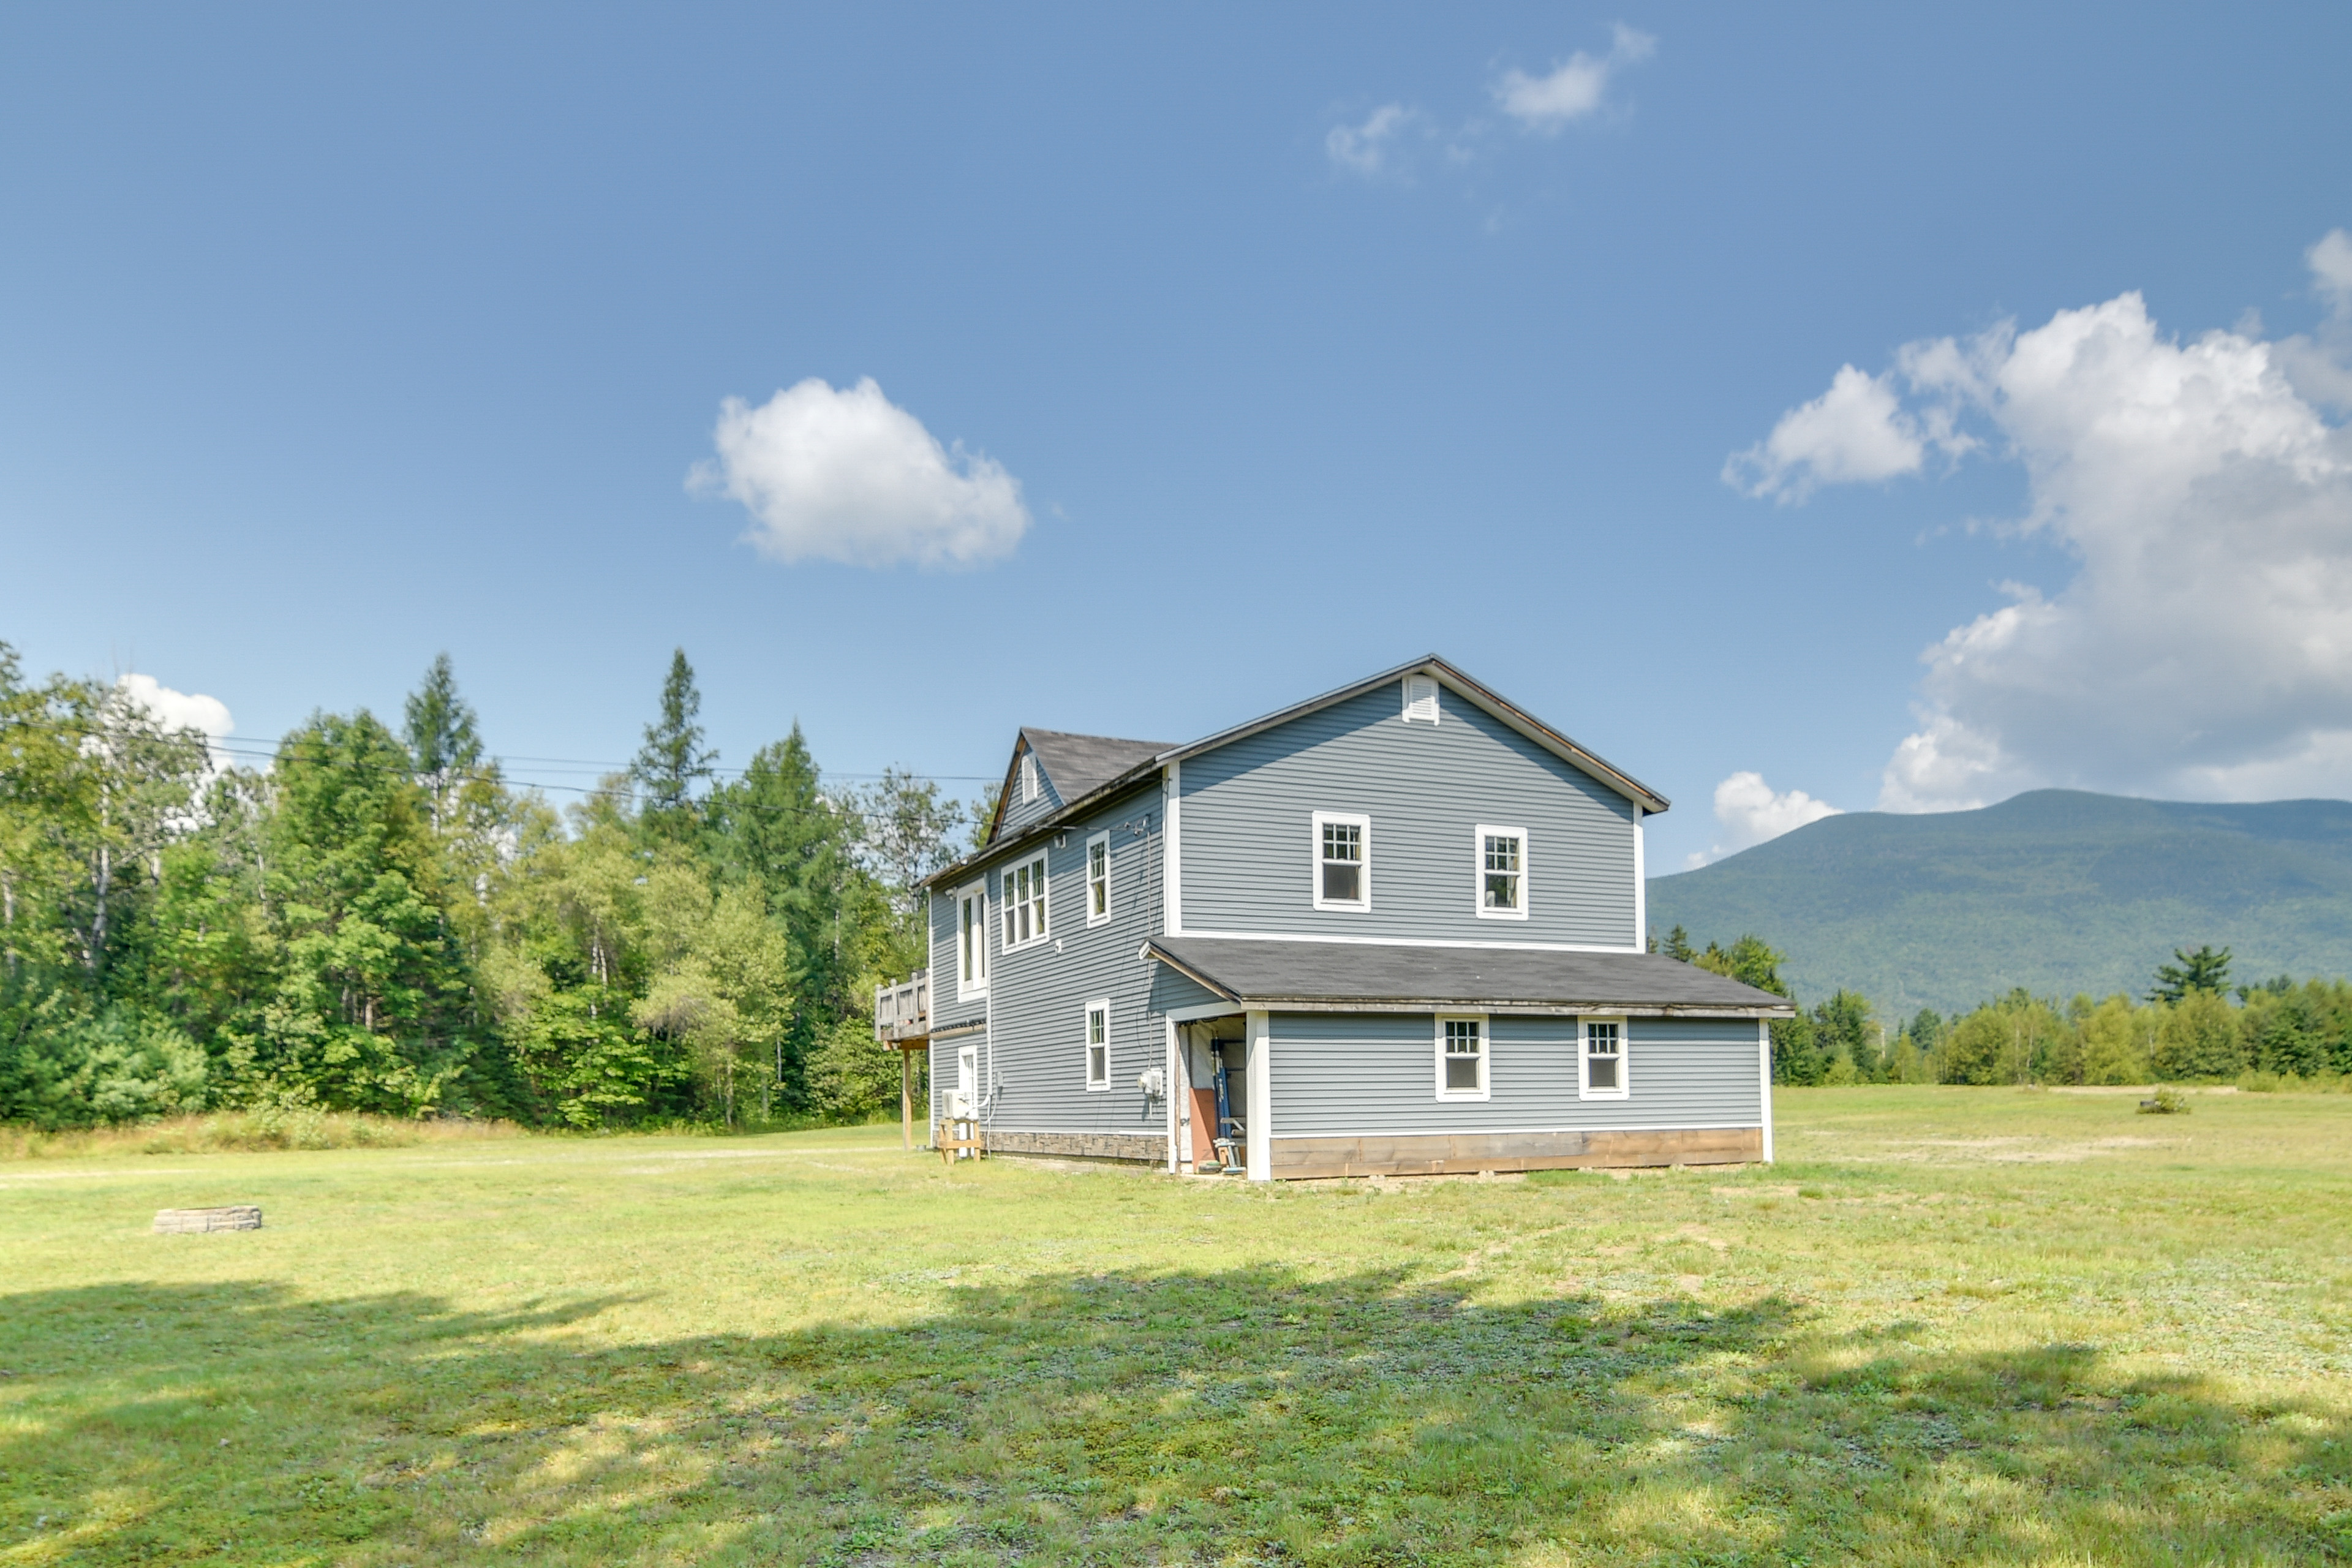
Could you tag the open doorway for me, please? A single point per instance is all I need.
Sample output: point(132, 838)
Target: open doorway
point(1214, 1056)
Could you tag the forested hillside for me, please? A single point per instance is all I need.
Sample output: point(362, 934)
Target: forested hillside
point(2056, 891)
point(375, 920)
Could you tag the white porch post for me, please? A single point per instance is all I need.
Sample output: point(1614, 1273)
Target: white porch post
point(1175, 1087)
point(1261, 1098)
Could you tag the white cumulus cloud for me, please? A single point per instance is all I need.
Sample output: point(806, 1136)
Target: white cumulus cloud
point(1856, 431)
point(2202, 648)
point(2320, 367)
point(1369, 149)
point(847, 475)
point(179, 709)
point(1750, 812)
point(1572, 91)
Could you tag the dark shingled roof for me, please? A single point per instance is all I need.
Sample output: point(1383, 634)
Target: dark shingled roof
point(1081, 765)
point(1354, 975)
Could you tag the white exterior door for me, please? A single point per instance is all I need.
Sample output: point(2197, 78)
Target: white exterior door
point(965, 1098)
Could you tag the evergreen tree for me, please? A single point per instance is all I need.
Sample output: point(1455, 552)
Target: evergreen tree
point(776, 827)
point(673, 761)
point(444, 739)
point(2204, 970)
point(441, 727)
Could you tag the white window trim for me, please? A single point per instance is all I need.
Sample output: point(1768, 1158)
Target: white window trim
point(1314, 859)
point(1085, 1036)
point(1102, 838)
point(1006, 910)
point(972, 990)
point(1436, 704)
point(1478, 863)
point(1584, 1089)
point(1486, 1088)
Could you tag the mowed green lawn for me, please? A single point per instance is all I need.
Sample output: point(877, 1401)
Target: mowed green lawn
point(1952, 1326)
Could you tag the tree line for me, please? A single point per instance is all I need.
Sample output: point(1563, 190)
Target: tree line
point(2192, 1025)
point(377, 920)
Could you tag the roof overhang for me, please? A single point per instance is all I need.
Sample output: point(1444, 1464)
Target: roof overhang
point(1304, 976)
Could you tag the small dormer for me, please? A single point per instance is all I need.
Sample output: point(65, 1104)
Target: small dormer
point(1051, 768)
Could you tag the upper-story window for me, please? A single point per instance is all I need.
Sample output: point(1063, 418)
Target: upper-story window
point(1343, 861)
point(971, 941)
point(1099, 878)
point(1420, 700)
point(1029, 788)
point(1502, 871)
point(1024, 900)
point(1603, 1077)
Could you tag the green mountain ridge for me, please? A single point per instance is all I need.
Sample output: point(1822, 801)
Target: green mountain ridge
point(2057, 890)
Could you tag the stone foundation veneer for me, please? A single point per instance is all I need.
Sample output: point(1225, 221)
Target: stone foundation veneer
point(1134, 1148)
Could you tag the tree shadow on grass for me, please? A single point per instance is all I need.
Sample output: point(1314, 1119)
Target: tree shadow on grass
point(1247, 1415)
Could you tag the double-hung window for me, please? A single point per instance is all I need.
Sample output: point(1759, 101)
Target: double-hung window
point(1098, 1043)
point(1502, 872)
point(1023, 897)
point(1343, 861)
point(971, 942)
point(1097, 879)
point(1604, 1074)
point(1462, 1057)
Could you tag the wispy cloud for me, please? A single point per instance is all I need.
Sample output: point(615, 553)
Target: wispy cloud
point(1369, 148)
point(1392, 139)
point(1572, 91)
point(847, 475)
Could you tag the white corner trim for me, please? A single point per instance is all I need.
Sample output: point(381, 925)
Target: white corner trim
point(1764, 1078)
point(1260, 1132)
point(1363, 824)
point(1485, 1090)
point(1478, 834)
point(1172, 829)
point(1640, 888)
point(1088, 870)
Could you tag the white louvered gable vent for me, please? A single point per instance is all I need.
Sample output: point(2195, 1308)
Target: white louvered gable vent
point(1420, 700)
point(1028, 777)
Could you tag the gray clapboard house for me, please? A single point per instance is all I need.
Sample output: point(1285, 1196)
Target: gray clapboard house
point(1397, 928)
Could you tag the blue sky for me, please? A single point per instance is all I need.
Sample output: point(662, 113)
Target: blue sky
point(1313, 338)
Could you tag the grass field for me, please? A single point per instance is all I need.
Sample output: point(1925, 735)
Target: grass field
point(1952, 1326)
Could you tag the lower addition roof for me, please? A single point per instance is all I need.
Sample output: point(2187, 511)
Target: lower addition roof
point(1361, 977)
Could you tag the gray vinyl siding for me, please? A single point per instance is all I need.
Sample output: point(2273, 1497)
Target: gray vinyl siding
point(1018, 812)
point(1248, 851)
point(1038, 1027)
point(1336, 1074)
point(946, 1011)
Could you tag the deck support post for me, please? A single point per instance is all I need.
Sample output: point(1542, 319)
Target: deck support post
point(906, 1100)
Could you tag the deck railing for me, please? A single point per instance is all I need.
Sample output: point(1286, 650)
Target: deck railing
point(903, 1012)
